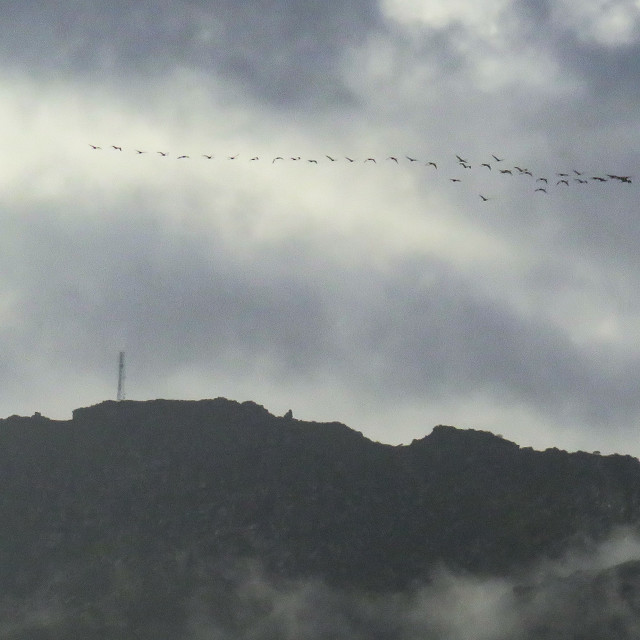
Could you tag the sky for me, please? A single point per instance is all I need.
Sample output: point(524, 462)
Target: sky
point(379, 294)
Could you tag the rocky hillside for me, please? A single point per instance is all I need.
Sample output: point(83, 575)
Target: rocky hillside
point(151, 495)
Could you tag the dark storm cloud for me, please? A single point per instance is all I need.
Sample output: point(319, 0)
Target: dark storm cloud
point(285, 52)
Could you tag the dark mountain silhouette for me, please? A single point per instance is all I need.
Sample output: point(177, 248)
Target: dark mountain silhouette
point(129, 507)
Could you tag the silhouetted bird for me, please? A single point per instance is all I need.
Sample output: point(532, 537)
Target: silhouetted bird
point(506, 171)
point(349, 159)
point(562, 182)
point(411, 159)
point(541, 189)
point(542, 180)
point(393, 158)
point(207, 156)
point(485, 164)
point(484, 199)
point(496, 158)
point(370, 160)
point(455, 179)
point(113, 146)
point(233, 157)
point(330, 158)
point(163, 153)
point(182, 157)
point(277, 158)
point(94, 147)
point(433, 164)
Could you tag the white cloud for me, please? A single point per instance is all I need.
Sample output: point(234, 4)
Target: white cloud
point(606, 22)
point(484, 18)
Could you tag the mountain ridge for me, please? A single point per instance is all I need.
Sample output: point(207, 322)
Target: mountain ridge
point(162, 488)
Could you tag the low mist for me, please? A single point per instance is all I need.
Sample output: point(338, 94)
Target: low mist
point(585, 594)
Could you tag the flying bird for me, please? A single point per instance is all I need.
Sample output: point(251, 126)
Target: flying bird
point(462, 160)
point(370, 160)
point(542, 180)
point(314, 161)
point(562, 182)
point(330, 158)
point(254, 158)
point(295, 158)
point(506, 171)
point(233, 157)
point(433, 164)
point(94, 147)
point(277, 158)
point(163, 153)
point(411, 159)
point(207, 156)
point(496, 158)
point(113, 146)
point(349, 159)
point(393, 158)
point(484, 198)
point(182, 157)
point(626, 179)
point(541, 189)
point(140, 152)
point(486, 164)
point(455, 179)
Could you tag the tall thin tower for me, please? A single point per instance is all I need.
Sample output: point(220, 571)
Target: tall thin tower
point(121, 377)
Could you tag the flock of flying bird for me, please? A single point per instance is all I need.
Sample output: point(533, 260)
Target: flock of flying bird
point(541, 183)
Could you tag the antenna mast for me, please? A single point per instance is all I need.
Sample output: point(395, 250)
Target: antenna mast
point(121, 377)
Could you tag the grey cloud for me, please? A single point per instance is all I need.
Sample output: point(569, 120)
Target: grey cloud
point(184, 301)
point(174, 299)
point(420, 330)
point(282, 52)
point(613, 75)
point(444, 338)
point(610, 71)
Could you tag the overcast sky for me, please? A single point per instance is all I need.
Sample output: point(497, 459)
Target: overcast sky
point(382, 295)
